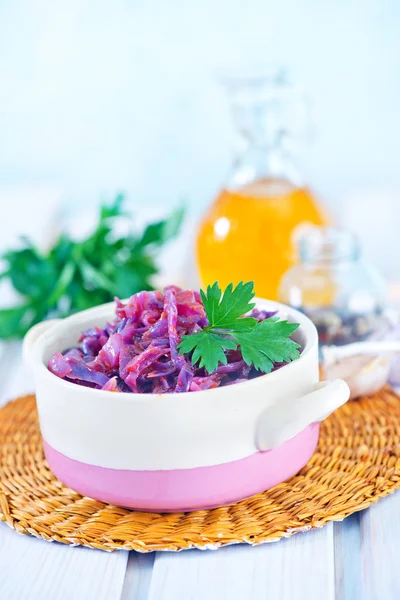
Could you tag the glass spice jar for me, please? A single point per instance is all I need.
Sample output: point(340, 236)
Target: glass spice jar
point(343, 295)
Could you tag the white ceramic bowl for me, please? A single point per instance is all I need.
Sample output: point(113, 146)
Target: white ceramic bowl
point(173, 452)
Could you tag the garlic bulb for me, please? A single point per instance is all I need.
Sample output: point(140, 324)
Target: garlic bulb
point(363, 374)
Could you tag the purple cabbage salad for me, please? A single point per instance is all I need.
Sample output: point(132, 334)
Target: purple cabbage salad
point(137, 352)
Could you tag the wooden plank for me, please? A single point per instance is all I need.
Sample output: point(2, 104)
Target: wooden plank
point(348, 559)
point(380, 534)
point(32, 569)
point(138, 576)
point(299, 568)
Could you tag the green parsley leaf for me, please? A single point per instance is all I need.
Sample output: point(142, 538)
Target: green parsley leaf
point(160, 232)
point(268, 343)
point(224, 309)
point(13, 321)
point(208, 348)
point(113, 210)
point(261, 343)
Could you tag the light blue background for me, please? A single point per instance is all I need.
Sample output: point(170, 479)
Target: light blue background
point(97, 96)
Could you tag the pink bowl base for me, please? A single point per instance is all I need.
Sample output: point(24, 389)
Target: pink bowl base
point(185, 490)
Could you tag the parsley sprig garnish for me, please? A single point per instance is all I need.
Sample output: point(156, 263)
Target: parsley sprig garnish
point(71, 275)
point(262, 343)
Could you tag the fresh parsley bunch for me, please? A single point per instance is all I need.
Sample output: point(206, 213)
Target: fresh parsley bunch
point(262, 343)
point(73, 276)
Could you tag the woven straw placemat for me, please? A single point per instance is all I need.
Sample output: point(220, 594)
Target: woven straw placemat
point(356, 463)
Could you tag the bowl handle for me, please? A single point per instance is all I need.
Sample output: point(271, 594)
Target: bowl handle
point(31, 338)
point(284, 420)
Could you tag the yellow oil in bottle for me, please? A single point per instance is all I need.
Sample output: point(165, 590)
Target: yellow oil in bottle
point(250, 233)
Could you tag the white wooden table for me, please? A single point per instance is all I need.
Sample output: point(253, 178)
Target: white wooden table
point(357, 559)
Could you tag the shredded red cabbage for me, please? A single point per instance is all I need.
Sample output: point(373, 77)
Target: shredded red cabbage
point(137, 352)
